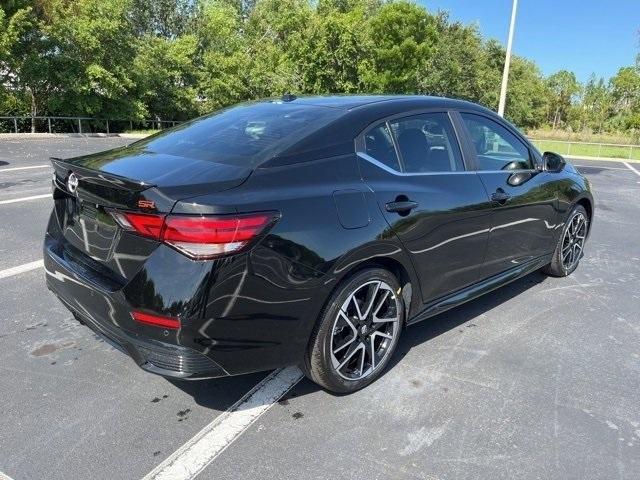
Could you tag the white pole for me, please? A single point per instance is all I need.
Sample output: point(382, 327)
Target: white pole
point(507, 61)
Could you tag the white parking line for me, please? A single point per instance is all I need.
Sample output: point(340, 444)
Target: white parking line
point(190, 459)
point(632, 168)
point(15, 169)
point(24, 199)
point(10, 272)
point(600, 167)
point(4, 476)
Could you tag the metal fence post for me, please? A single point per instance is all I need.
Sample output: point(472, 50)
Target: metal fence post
point(49, 123)
point(630, 150)
point(15, 124)
point(107, 126)
point(569, 149)
point(79, 125)
point(599, 150)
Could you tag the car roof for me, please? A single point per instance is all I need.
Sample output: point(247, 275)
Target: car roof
point(358, 113)
point(349, 102)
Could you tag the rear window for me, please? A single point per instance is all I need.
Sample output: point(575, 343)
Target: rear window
point(245, 135)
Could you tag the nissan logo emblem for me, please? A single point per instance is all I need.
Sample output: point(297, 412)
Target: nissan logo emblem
point(72, 183)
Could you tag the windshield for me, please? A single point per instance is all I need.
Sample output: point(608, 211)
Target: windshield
point(245, 135)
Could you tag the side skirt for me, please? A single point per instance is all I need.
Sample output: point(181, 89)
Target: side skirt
point(478, 289)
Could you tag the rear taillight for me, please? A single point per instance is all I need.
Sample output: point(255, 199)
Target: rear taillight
point(146, 225)
point(199, 237)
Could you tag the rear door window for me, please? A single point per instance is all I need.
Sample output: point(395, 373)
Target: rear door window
point(427, 143)
point(379, 145)
point(245, 135)
point(424, 143)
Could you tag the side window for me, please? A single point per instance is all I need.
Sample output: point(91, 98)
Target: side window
point(495, 146)
point(379, 145)
point(427, 143)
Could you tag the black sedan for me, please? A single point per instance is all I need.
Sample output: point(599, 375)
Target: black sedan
point(305, 231)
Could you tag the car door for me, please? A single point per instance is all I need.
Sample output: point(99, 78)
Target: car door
point(524, 210)
point(437, 208)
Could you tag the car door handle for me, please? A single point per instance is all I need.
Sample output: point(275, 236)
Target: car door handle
point(401, 206)
point(500, 196)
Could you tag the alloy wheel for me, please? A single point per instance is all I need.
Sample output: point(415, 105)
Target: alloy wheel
point(364, 330)
point(573, 241)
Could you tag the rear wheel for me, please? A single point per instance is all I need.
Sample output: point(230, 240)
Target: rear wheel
point(570, 247)
point(357, 332)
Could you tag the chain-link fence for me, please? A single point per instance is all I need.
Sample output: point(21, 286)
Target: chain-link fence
point(589, 149)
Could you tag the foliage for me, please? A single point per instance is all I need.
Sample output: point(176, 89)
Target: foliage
point(174, 59)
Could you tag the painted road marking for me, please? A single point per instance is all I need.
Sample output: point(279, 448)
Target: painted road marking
point(15, 169)
point(4, 476)
point(10, 272)
point(599, 166)
point(193, 457)
point(632, 168)
point(24, 199)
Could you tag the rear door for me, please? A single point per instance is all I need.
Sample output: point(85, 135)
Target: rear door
point(438, 209)
point(524, 211)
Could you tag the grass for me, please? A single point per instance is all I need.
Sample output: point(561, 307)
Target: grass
point(585, 136)
point(583, 149)
point(142, 132)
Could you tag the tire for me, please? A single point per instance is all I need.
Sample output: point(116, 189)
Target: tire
point(570, 247)
point(364, 314)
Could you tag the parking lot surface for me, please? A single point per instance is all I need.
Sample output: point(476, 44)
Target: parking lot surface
point(539, 379)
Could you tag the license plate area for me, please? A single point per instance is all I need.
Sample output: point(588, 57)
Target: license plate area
point(88, 227)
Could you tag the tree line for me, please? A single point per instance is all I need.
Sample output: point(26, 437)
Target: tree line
point(175, 59)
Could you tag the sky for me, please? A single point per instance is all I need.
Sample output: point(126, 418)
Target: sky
point(589, 36)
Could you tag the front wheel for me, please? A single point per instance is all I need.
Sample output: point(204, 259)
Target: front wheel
point(357, 332)
point(570, 247)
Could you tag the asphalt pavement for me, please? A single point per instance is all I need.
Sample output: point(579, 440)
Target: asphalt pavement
point(539, 379)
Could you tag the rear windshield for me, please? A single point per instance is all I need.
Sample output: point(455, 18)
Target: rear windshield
point(245, 135)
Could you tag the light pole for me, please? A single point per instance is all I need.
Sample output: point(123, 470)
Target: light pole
point(507, 61)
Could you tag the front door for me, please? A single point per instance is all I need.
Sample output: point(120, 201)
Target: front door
point(437, 208)
point(523, 201)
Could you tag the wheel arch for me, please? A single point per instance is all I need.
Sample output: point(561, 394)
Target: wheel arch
point(587, 204)
point(402, 271)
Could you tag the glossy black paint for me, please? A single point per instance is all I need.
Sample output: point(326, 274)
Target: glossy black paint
point(256, 310)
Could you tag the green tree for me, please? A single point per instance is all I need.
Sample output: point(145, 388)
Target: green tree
point(401, 40)
point(163, 18)
point(165, 77)
point(460, 66)
point(93, 46)
point(563, 86)
point(14, 22)
point(596, 105)
point(528, 99)
point(328, 54)
point(174, 59)
point(24, 72)
point(625, 86)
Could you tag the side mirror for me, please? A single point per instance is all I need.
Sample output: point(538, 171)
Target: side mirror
point(553, 162)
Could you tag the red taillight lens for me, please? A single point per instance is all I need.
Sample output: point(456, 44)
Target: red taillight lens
point(199, 237)
point(156, 320)
point(210, 237)
point(146, 225)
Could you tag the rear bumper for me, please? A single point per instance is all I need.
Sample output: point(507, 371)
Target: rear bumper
point(102, 310)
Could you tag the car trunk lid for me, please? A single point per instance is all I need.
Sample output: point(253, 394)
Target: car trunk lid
point(89, 188)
